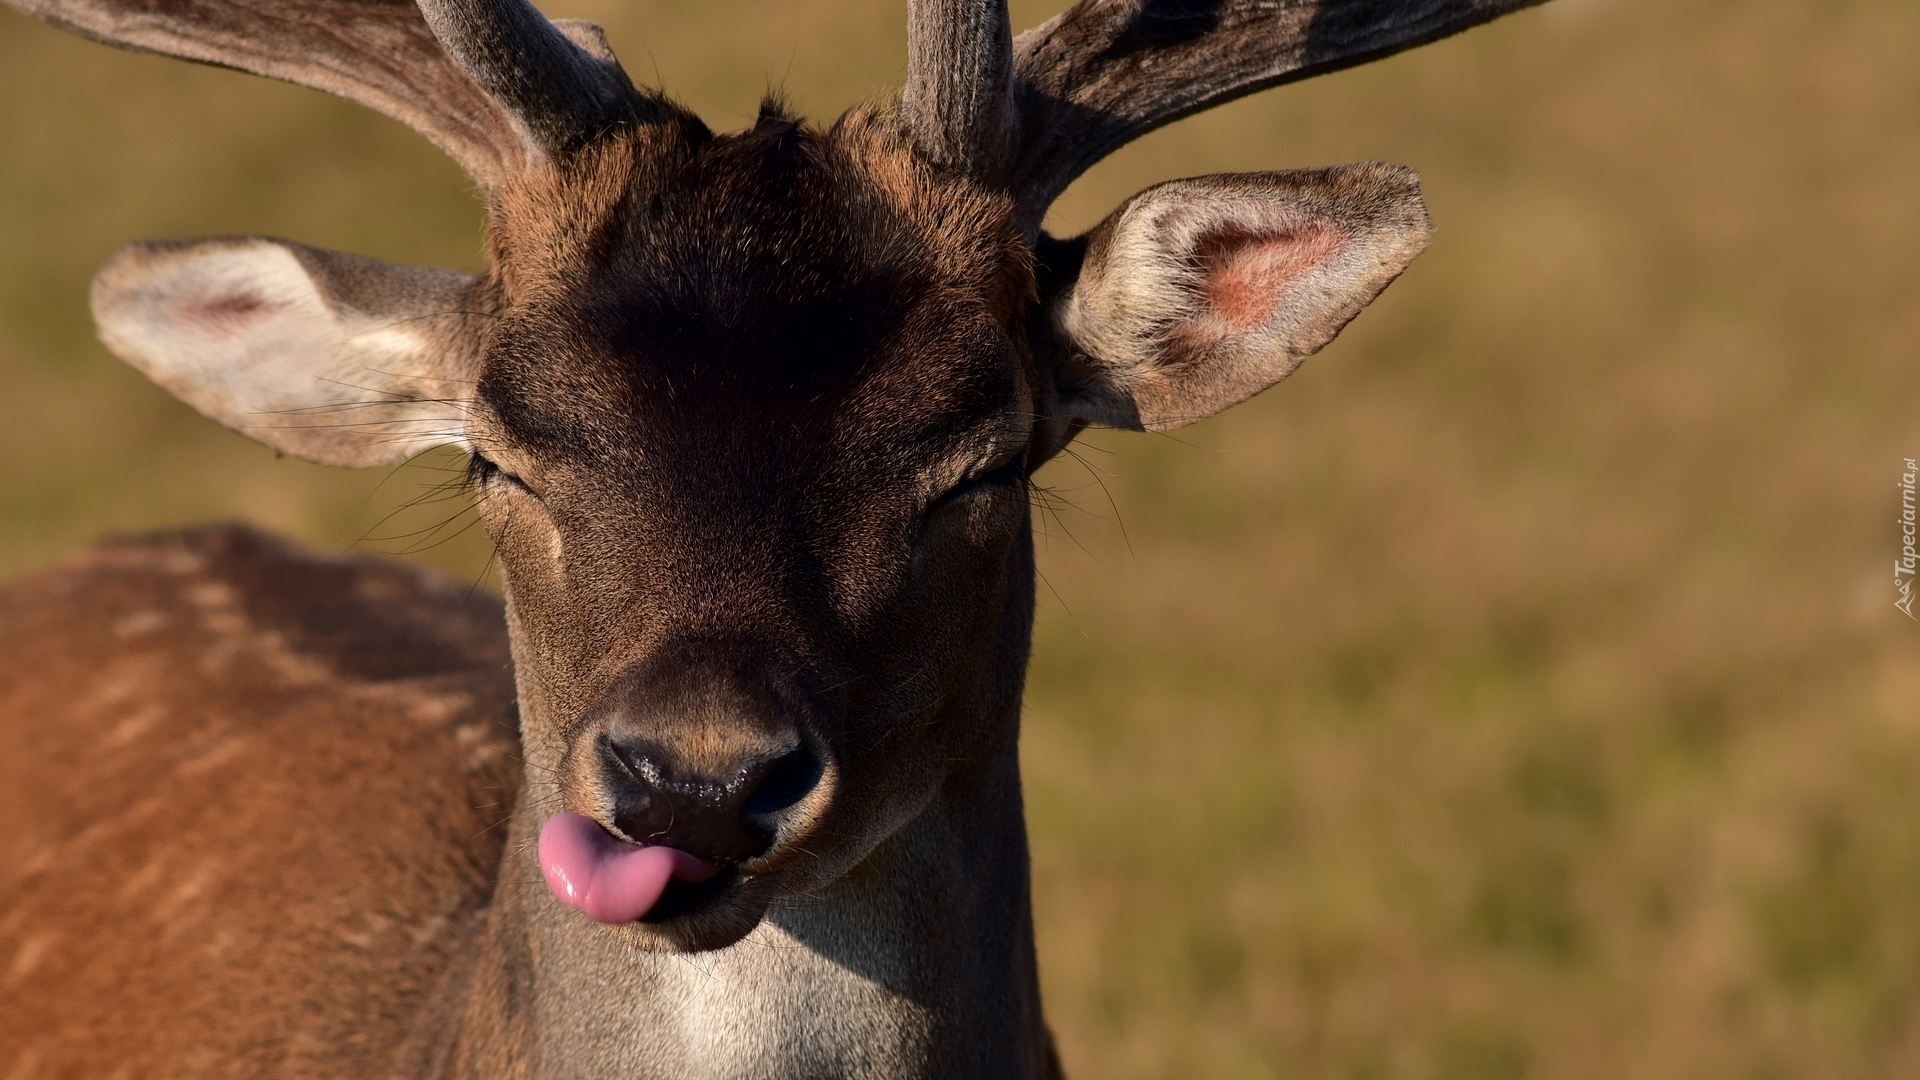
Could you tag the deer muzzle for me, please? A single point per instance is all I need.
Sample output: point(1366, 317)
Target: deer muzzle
point(695, 765)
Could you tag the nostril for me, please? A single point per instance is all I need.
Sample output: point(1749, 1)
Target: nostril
point(787, 782)
point(636, 762)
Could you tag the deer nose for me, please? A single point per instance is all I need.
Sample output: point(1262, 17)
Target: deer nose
point(725, 815)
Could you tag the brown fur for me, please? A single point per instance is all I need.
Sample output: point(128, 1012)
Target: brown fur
point(253, 800)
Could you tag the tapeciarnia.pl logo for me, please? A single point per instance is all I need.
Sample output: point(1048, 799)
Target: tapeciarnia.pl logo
point(1903, 567)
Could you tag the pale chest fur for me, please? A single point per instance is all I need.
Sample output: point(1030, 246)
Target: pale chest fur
point(771, 1005)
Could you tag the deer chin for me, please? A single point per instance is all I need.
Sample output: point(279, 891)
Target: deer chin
point(654, 897)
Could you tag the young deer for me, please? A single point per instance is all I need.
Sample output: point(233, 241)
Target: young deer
point(751, 419)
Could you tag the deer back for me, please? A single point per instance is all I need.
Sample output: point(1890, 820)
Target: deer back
point(249, 799)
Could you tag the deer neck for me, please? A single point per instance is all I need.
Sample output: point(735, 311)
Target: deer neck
point(918, 963)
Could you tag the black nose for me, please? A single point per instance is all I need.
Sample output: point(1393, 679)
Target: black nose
point(728, 815)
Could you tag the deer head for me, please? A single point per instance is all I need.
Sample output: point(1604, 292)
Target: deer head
point(752, 415)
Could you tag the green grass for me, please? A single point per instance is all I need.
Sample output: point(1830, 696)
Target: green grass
point(1516, 692)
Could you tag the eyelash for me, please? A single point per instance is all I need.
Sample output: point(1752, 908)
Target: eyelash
point(481, 471)
point(1011, 474)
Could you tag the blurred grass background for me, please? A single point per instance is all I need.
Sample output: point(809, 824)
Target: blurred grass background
point(1516, 692)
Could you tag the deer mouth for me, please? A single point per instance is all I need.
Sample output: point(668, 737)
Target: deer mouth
point(614, 882)
point(685, 899)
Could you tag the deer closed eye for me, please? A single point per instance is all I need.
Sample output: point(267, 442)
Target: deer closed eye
point(484, 473)
point(1003, 479)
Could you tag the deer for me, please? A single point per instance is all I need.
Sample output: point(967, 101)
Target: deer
point(726, 783)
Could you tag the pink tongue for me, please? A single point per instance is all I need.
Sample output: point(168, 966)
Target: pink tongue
point(611, 880)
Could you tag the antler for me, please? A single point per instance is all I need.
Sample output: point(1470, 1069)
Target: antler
point(959, 72)
point(1108, 71)
point(491, 82)
point(561, 88)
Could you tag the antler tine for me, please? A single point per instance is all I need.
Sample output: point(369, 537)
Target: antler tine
point(1107, 71)
point(959, 74)
point(376, 52)
point(491, 81)
point(559, 87)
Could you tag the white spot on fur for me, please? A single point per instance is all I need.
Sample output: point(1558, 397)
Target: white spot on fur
point(435, 710)
point(213, 596)
point(168, 907)
point(26, 1065)
point(125, 679)
point(222, 752)
point(31, 952)
point(224, 622)
point(174, 562)
point(292, 667)
point(376, 927)
point(38, 861)
point(136, 724)
point(430, 929)
point(221, 654)
point(143, 880)
point(139, 623)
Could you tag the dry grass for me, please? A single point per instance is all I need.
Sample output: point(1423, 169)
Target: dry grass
point(1515, 693)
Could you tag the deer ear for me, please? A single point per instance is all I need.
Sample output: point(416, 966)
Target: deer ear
point(328, 357)
point(1198, 294)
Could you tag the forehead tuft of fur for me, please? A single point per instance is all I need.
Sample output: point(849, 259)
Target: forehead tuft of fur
point(674, 279)
point(564, 217)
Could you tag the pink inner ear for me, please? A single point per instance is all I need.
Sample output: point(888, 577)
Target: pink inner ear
point(224, 314)
point(1245, 273)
